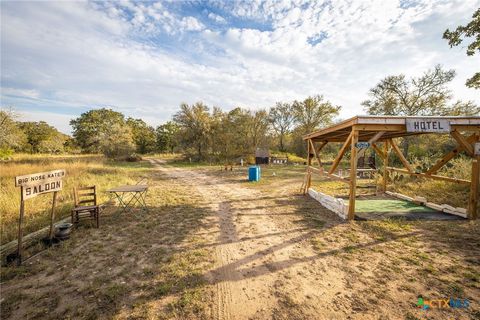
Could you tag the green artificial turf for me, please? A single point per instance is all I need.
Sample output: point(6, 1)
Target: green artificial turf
point(389, 205)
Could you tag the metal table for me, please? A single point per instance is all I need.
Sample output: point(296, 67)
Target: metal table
point(130, 195)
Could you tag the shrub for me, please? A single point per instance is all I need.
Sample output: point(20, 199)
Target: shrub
point(6, 153)
point(117, 143)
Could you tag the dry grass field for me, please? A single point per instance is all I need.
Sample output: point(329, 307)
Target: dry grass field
point(214, 246)
point(81, 170)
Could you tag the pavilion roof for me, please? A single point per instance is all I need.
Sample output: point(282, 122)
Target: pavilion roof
point(394, 126)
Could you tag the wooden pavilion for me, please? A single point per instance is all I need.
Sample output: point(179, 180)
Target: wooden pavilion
point(379, 132)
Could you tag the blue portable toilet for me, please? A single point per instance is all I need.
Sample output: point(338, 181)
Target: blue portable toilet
point(254, 173)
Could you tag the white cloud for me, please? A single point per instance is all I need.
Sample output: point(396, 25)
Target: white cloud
point(217, 18)
point(191, 24)
point(59, 121)
point(145, 58)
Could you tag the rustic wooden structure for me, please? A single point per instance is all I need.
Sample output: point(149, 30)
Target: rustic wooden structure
point(380, 133)
point(262, 156)
point(32, 185)
point(86, 206)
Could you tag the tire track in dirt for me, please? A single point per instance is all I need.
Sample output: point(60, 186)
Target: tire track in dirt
point(256, 260)
point(223, 253)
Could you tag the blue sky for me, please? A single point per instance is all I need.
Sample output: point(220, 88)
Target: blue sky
point(59, 59)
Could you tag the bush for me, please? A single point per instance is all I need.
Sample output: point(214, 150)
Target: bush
point(117, 143)
point(133, 158)
point(6, 153)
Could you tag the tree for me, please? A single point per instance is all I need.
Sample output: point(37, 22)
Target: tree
point(471, 30)
point(11, 136)
point(38, 133)
point(461, 108)
point(231, 133)
point(117, 142)
point(281, 117)
point(257, 128)
point(194, 127)
point(143, 135)
point(425, 95)
point(313, 113)
point(91, 126)
point(166, 135)
point(54, 144)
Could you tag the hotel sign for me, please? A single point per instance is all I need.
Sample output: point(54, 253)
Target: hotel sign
point(38, 183)
point(428, 125)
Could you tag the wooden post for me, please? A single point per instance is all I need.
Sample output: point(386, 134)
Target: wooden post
point(309, 164)
point(339, 157)
point(385, 165)
point(474, 188)
point(52, 216)
point(20, 228)
point(401, 156)
point(353, 175)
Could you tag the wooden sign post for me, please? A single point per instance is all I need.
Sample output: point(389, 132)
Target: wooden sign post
point(32, 185)
point(476, 149)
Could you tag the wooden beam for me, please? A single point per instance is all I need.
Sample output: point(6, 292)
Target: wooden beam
point(339, 126)
point(316, 152)
point(353, 176)
point(330, 176)
point(378, 151)
point(341, 153)
point(27, 240)
point(380, 127)
point(52, 216)
point(309, 163)
point(474, 189)
point(385, 165)
point(460, 127)
point(461, 140)
point(373, 139)
point(430, 176)
point(440, 163)
point(401, 156)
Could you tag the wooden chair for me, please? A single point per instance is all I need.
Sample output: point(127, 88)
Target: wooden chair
point(85, 204)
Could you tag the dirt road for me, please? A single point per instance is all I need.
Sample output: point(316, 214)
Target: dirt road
point(213, 246)
point(265, 265)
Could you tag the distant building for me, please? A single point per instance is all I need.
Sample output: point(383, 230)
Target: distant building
point(262, 156)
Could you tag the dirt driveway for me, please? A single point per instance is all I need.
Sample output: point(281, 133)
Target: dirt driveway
point(262, 256)
point(214, 246)
point(281, 255)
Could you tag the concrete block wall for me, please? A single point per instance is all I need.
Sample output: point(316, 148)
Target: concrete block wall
point(336, 205)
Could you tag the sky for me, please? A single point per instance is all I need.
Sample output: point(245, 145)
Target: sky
point(60, 59)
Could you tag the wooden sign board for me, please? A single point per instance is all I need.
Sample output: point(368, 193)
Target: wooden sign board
point(39, 178)
point(428, 125)
point(31, 186)
point(43, 187)
point(362, 145)
point(477, 149)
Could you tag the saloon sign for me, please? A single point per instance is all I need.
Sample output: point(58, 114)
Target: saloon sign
point(38, 183)
point(428, 125)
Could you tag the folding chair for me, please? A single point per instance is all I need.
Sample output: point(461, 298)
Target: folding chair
point(82, 197)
